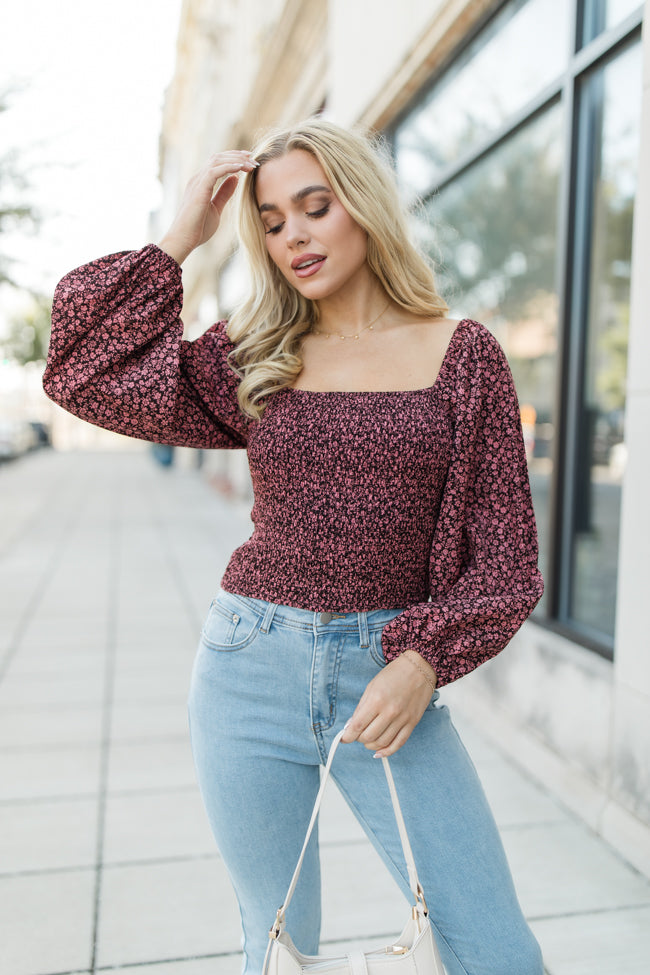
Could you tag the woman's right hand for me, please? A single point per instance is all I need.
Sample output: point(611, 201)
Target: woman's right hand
point(201, 208)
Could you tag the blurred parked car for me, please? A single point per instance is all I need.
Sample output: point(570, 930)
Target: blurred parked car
point(41, 434)
point(17, 437)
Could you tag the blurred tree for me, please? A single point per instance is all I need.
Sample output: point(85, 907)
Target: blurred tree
point(29, 333)
point(15, 211)
point(495, 226)
point(610, 294)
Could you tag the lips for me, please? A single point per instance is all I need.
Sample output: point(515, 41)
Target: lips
point(307, 264)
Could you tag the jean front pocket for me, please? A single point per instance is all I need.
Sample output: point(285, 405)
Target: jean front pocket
point(231, 624)
point(378, 619)
point(375, 648)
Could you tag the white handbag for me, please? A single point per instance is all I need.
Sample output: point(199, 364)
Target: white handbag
point(414, 953)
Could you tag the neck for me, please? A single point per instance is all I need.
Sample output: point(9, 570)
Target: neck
point(353, 309)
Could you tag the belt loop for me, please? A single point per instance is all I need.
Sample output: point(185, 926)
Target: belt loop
point(268, 617)
point(364, 636)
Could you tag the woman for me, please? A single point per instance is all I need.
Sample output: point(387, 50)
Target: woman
point(394, 547)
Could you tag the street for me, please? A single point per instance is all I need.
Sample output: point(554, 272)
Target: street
point(108, 563)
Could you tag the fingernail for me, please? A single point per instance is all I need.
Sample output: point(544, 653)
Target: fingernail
point(376, 755)
point(347, 724)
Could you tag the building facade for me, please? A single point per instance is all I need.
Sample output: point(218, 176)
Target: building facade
point(520, 132)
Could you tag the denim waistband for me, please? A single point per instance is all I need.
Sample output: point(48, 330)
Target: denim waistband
point(306, 619)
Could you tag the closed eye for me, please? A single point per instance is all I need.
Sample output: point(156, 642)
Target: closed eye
point(319, 213)
point(313, 214)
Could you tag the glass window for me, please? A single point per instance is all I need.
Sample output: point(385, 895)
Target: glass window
point(520, 52)
point(489, 153)
point(493, 234)
point(600, 15)
point(612, 97)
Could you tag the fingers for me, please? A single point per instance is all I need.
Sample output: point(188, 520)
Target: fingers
point(382, 732)
point(221, 165)
point(399, 739)
point(226, 163)
point(370, 729)
point(376, 730)
point(225, 192)
point(229, 155)
point(381, 738)
point(203, 201)
point(389, 709)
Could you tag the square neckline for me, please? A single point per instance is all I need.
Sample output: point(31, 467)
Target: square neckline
point(389, 392)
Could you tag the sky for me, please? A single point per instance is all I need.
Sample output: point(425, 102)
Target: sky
point(88, 83)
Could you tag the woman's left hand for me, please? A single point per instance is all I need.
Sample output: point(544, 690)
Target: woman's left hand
point(391, 706)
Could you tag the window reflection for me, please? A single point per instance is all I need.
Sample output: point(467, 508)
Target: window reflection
point(494, 229)
point(600, 15)
point(485, 150)
point(614, 98)
point(522, 50)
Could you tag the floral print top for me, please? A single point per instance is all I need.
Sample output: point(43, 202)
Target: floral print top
point(415, 500)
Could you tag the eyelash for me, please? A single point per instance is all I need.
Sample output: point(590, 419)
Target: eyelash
point(315, 214)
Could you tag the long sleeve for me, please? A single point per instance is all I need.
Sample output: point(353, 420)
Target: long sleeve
point(118, 360)
point(483, 574)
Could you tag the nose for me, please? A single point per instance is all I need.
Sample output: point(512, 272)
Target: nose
point(297, 233)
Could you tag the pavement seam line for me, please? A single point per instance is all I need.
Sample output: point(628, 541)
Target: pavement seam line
point(107, 708)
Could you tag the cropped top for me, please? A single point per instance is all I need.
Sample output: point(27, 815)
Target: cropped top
point(415, 500)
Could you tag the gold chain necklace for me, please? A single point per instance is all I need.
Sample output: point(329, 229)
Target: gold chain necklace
point(366, 328)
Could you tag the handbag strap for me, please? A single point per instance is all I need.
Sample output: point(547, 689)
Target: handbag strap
point(414, 883)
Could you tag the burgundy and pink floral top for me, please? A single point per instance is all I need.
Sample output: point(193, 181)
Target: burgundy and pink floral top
point(415, 500)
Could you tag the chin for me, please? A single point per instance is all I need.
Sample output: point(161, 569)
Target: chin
point(311, 290)
point(316, 290)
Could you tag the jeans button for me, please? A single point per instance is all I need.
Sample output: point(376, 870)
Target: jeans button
point(326, 617)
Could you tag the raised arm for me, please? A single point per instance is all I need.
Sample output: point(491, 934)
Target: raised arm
point(117, 357)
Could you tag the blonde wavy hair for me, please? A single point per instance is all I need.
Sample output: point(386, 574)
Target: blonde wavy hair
point(268, 325)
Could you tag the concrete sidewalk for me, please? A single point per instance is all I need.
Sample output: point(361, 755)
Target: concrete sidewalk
point(108, 564)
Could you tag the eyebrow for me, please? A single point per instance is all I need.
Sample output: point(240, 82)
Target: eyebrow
point(297, 197)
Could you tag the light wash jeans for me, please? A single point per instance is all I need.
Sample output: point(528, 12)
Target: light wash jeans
point(272, 685)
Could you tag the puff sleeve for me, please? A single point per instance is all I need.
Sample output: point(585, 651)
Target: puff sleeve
point(117, 357)
point(484, 580)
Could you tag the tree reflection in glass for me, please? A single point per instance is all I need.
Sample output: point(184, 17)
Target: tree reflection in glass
point(521, 51)
point(493, 235)
point(613, 97)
